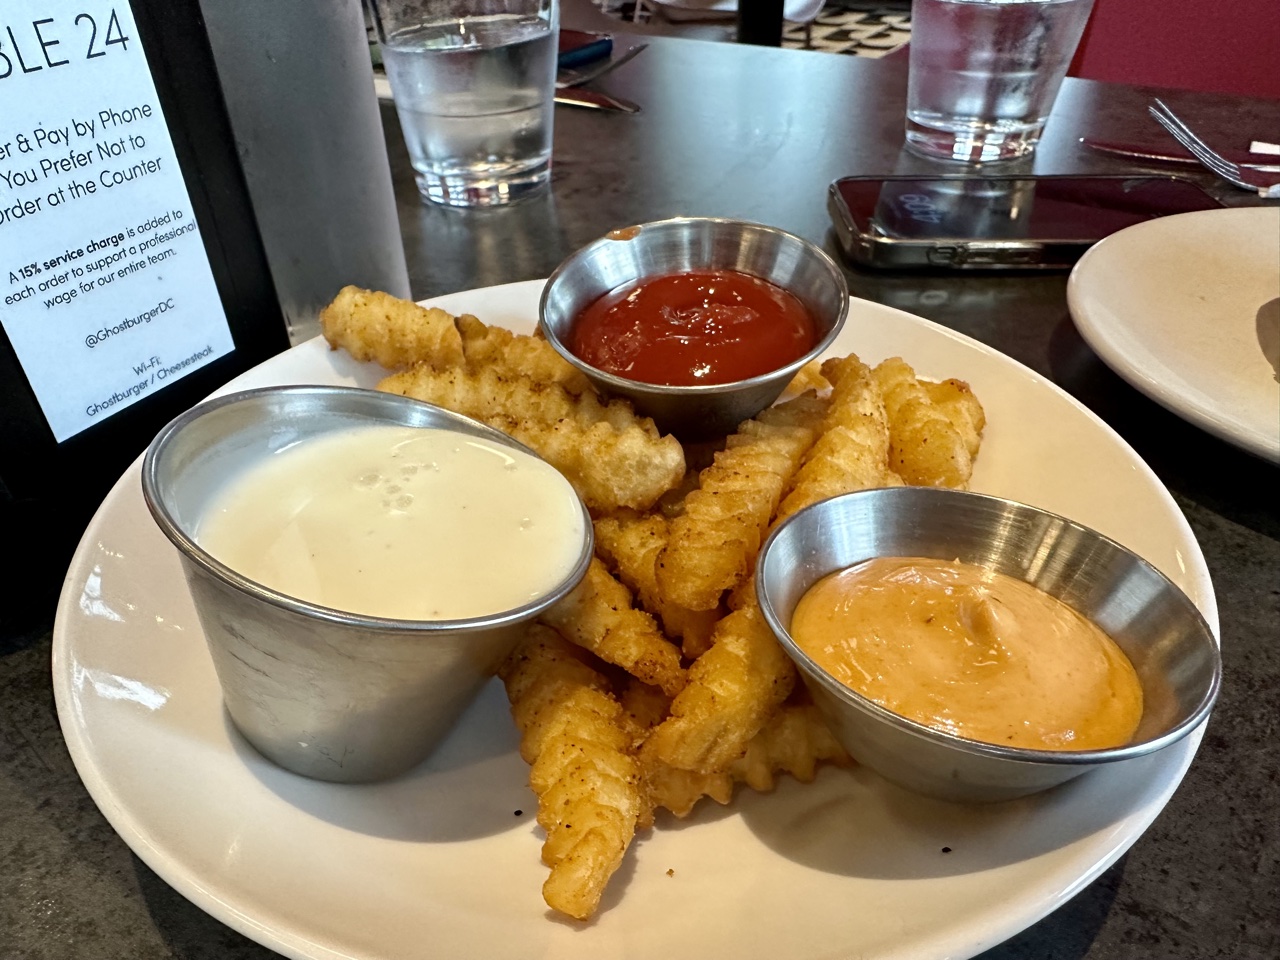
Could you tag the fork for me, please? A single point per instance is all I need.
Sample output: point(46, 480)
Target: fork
point(567, 78)
point(1213, 160)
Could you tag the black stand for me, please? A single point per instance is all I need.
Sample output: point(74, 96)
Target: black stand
point(760, 22)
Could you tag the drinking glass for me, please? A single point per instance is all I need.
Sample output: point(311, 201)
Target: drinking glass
point(984, 74)
point(474, 86)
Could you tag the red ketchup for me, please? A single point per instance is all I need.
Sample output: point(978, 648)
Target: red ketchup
point(713, 326)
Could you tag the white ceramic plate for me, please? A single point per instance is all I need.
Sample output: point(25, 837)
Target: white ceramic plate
point(440, 863)
point(1187, 309)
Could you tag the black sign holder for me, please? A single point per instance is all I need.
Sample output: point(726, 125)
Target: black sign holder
point(49, 490)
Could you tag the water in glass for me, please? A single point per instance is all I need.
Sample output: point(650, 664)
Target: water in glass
point(984, 74)
point(475, 101)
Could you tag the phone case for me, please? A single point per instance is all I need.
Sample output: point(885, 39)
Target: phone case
point(872, 249)
point(991, 209)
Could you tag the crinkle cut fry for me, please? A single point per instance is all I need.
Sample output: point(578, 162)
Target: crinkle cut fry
point(487, 391)
point(795, 740)
point(713, 544)
point(733, 690)
point(517, 353)
point(808, 377)
point(643, 708)
point(587, 782)
point(629, 542)
point(852, 452)
point(956, 401)
point(598, 615)
point(925, 447)
point(395, 333)
point(679, 790)
point(612, 457)
point(609, 469)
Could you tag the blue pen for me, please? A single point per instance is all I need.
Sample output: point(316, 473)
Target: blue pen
point(577, 47)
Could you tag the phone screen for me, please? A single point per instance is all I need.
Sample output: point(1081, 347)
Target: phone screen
point(1069, 209)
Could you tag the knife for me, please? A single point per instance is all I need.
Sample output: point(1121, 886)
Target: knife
point(566, 78)
point(574, 98)
point(594, 99)
point(1154, 154)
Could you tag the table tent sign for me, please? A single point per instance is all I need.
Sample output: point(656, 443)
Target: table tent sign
point(108, 295)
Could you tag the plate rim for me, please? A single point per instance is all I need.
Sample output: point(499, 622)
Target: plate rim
point(1096, 330)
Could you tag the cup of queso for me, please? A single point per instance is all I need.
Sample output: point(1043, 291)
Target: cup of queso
point(987, 649)
point(360, 564)
point(700, 322)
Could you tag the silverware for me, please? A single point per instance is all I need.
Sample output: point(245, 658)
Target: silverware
point(567, 78)
point(1224, 168)
point(595, 100)
point(1153, 154)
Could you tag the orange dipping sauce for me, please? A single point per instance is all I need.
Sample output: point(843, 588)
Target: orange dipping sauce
point(684, 329)
point(970, 652)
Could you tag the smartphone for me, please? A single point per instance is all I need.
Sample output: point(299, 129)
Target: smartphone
point(995, 222)
point(578, 47)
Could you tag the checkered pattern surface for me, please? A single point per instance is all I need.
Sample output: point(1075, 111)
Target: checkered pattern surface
point(864, 29)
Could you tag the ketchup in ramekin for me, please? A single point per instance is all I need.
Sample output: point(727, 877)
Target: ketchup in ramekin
point(686, 329)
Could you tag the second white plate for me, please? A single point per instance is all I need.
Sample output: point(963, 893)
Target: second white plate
point(1186, 308)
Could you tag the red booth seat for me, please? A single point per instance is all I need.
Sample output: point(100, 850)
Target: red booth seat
point(1229, 46)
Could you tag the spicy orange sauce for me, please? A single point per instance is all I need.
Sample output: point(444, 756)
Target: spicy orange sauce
point(714, 326)
point(971, 652)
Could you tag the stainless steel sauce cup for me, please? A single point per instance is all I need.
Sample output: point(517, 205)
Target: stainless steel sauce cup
point(1157, 626)
point(682, 245)
point(324, 693)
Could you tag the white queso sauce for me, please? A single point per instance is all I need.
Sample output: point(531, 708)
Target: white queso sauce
point(400, 522)
point(973, 652)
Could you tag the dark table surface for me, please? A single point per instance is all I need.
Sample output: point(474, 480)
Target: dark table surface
point(758, 133)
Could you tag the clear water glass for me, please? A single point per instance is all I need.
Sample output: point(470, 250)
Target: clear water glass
point(474, 87)
point(984, 74)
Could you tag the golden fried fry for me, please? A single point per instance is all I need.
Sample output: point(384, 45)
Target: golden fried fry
point(608, 468)
point(612, 457)
point(671, 503)
point(588, 784)
point(713, 543)
point(395, 333)
point(517, 354)
point(925, 448)
point(744, 594)
point(488, 392)
point(809, 377)
point(956, 401)
point(852, 452)
point(598, 615)
point(733, 689)
point(537, 694)
point(629, 543)
point(679, 790)
point(795, 740)
point(644, 706)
